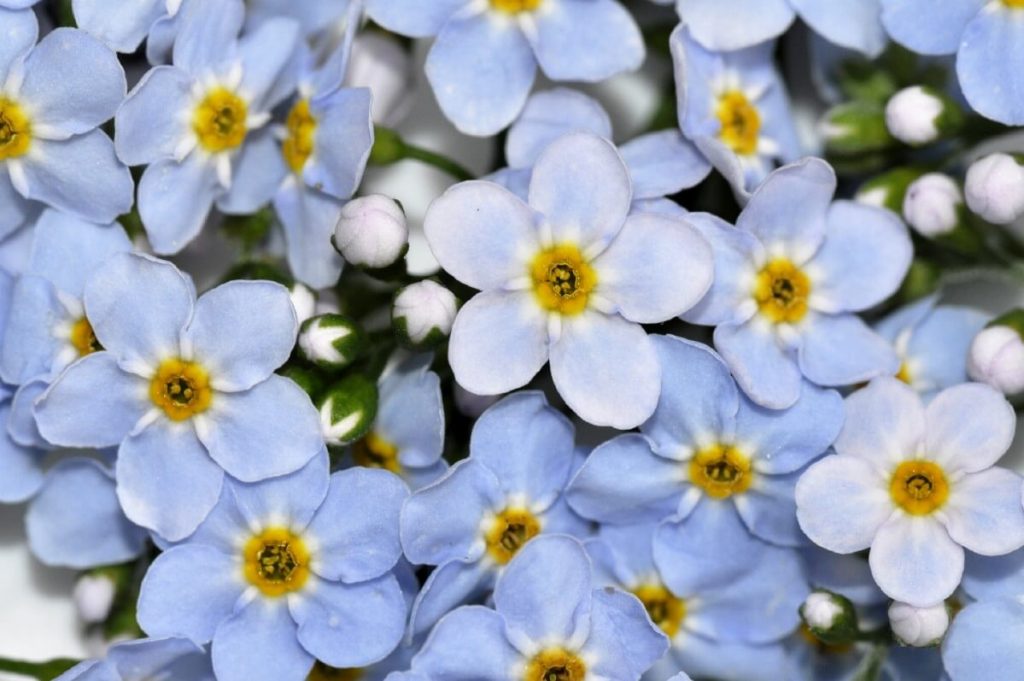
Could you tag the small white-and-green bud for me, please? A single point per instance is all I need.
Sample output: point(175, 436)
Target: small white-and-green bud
point(855, 128)
point(996, 356)
point(921, 114)
point(348, 409)
point(918, 626)
point(371, 232)
point(995, 188)
point(423, 314)
point(330, 341)
point(303, 300)
point(830, 617)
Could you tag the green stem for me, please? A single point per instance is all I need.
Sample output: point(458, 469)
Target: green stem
point(438, 161)
point(389, 147)
point(44, 671)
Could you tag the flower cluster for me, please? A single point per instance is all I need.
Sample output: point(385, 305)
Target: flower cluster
point(706, 390)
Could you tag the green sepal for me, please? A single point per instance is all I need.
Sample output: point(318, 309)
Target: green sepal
point(355, 395)
point(348, 347)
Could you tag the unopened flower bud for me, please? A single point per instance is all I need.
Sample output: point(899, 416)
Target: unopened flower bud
point(830, 617)
point(918, 626)
point(93, 596)
point(855, 128)
point(933, 205)
point(330, 341)
point(303, 300)
point(423, 314)
point(371, 232)
point(996, 356)
point(921, 114)
point(888, 189)
point(348, 409)
point(995, 188)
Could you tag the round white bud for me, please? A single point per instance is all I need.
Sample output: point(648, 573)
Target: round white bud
point(423, 313)
point(371, 231)
point(996, 357)
point(995, 188)
point(303, 300)
point(93, 596)
point(912, 115)
point(918, 626)
point(932, 204)
point(821, 610)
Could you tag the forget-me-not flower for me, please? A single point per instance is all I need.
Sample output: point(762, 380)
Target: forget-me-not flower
point(549, 622)
point(788, 280)
point(475, 519)
point(185, 387)
point(286, 571)
point(569, 276)
point(916, 484)
point(145, 659)
point(483, 62)
point(53, 98)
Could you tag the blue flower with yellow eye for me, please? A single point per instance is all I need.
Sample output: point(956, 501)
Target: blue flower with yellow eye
point(475, 519)
point(185, 387)
point(932, 342)
point(483, 62)
point(148, 658)
point(568, 276)
point(53, 98)
point(734, 107)
point(193, 123)
point(985, 35)
point(720, 624)
point(790, 276)
point(550, 620)
point(287, 571)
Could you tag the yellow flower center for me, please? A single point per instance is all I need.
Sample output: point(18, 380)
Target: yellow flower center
point(181, 389)
point(276, 561)
point(919, 487)
point(15, 130)
point(562, 279)
point(663, 607)
point(1016, 4)
point(509, 531)
point(374, 451)
point(219, 120)
point(83, 339)
point(740, 122)
point(721, 471)
point(555, 664)
point(321, 672)
point(515, 6)
point(781, 291)
point(298, 145)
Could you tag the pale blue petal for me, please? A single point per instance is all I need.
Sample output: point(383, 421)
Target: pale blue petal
point(170, 658)
point(413, 18)
point(271, 429)
point(968, 427)
point(768, 374)
point(165, 479)
point(30, 347)
point(984, 513)
point(582, 189)
point(418, 478)
point(929, 26)
point(769, 510)
point(206, 36)
point(452, 584)
point(160, 43)
point(542, 439)
point(984, 640)
point(308, 218)
point(344, 136)
point(89, 532)
point(18, 33)
point(153, 120)
point(842, 350)
point(72, 412)
point(732, 24)
point(259, 641)
point(264, 53)
point(988, 577)
point(547, 116)
point(175, 199)
point(516, 180)
point(560, 519)
point(586, 40)
point(21, 425)
point(939, 345)
point(173, 602)
point(623, 641)
point(291, 499)
point(842, 502)
point(606, 369)
point(468, 644)
point(72, 95)
point(481, 72)
point(22, 466)
point(18, 211)
point(240, 332)
point(54, 175)
point(663, 163)
point(257, 172)
point(226, 525)
point(730, 661)
point(849, 575)
point(735, 253)
point(624, 553)
point(410, 414)
point(67, 250)
point(906, 318)
point(123, 29)
point(914, 560)
point(855, 24)
point(989, 61)
point(656, 268)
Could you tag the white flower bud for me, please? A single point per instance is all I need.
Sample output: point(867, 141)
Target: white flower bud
point(423, 313)
point(996, 357)
point(93, 596)
point(995, 188)
point(330, 341)
point(820, 610)
point(371, 231)
point(918, 626)
point(932, 205)
point(348, 410)
point(303, 300)
point(912, 115)
point(830, 617)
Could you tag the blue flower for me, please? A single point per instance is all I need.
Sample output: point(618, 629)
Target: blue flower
point(53, 98)
point(734, 107)
point(706, 451)
point(193, 123)
point(286, 571)
point(726, 25)
point(148, 658)
point(474, 520)
point(788, 279)
point(932, 343)
point(917, 486)
point(724, 625)
point(185, 387)
point(569, 276)
point(547, 616)
point(123, 25)
point(986, 37)
point(482, 65)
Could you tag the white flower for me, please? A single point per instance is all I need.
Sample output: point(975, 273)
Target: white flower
point(996, 357)
point(371, 231)
point(932, 204)
point(918, 626)
point(912, 115)
point(995, 188)
point(422, 309)
point(93, 596)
